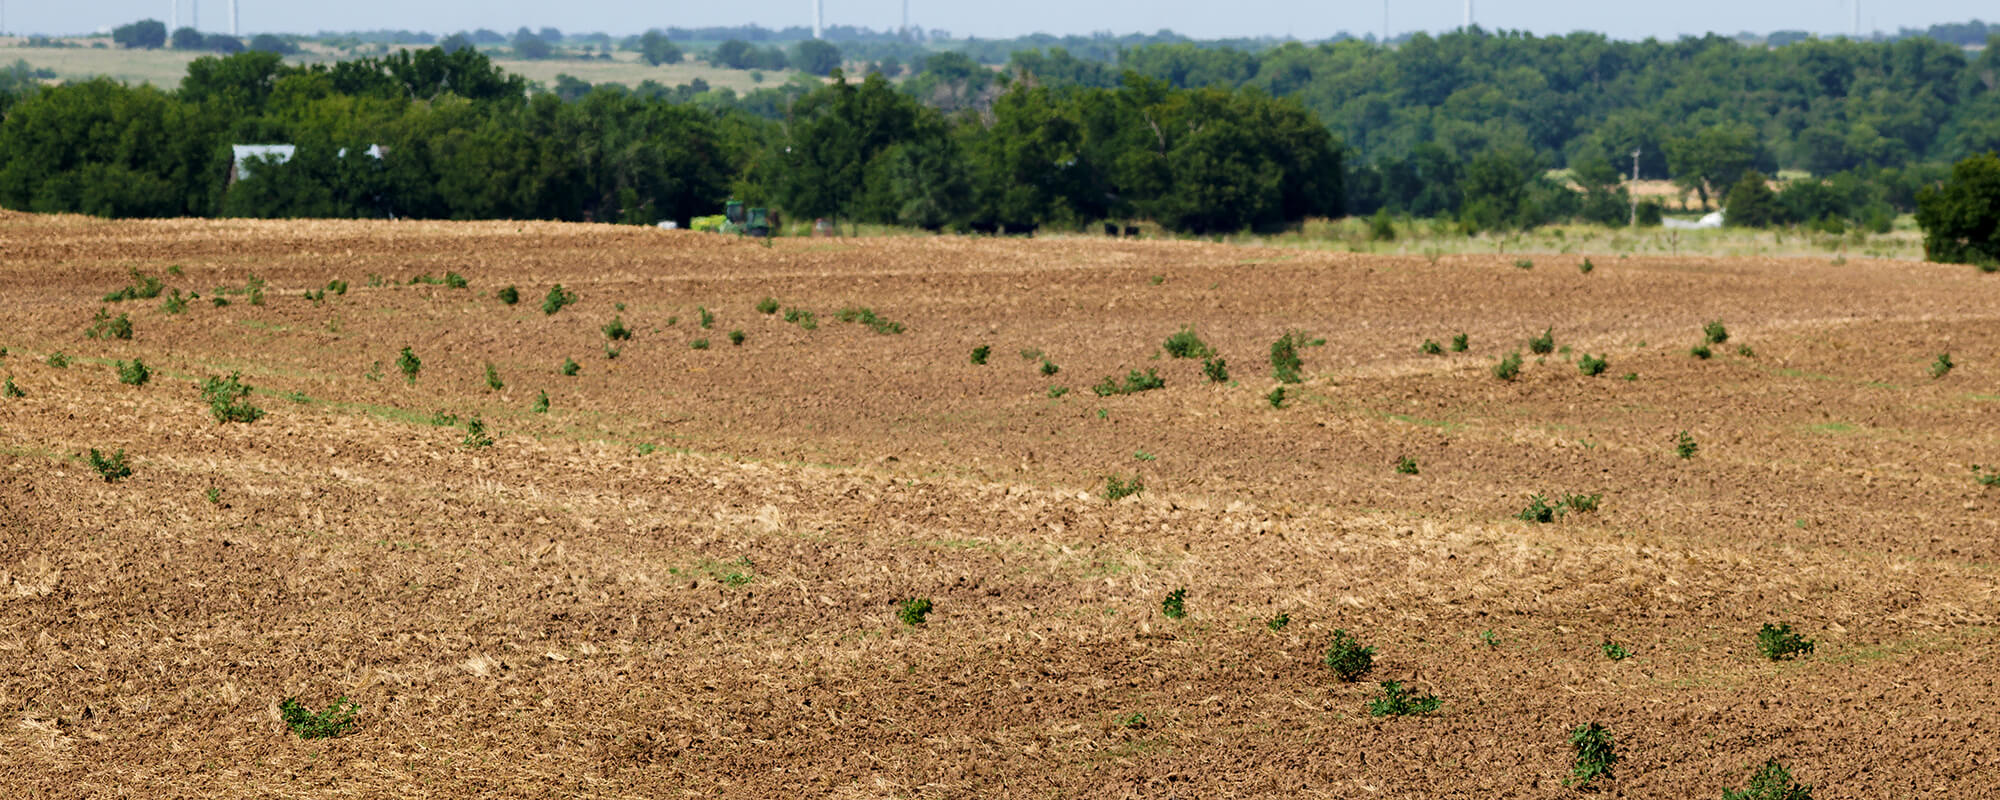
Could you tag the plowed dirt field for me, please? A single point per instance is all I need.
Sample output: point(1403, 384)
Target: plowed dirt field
point(683, 578)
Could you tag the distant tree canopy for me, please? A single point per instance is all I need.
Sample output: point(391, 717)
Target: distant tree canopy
point(1961, 218)
point(148, 34)
point(657, 49)
point(815, 57)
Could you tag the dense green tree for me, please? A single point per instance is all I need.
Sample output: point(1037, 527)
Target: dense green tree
point(835, 134)
point(1961, 218)
point(1752, 204)
point(531, 46)
point(815, 57)
point(656, 49)
point(187, 39)
point(1714, 158)
point(146, 34)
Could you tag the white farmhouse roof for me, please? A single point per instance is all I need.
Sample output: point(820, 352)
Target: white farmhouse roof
point(240, 155)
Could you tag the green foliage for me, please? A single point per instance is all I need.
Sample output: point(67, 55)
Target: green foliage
point(1586, 266)
point(1406, 466)
point(134, 374)
point(1175, 605)
point(615, 330)
point(802, 318)
point(57, 360)
point(1508, 368)
point(454, 280)
point(736, 338)
point(1348, 658)
point(143, 287)
point(228, 399)
point(1593, 755)
point(1544, 344)
point(174, 304)
point(1615, 651)
point(1752, 204)
point(1116, 489)
point(1134, 721)
point(1772, 782)
point(1701, 352)
point(570, 367)
point(1395, 702)
point(111, 468)
point(704, 316)
point(1942, 366)
point(410, 364)
point(1541, 510)
point(1285, 361)
point(1714, 332)
point(1489, 638)
point(1460, 342)
point(1381, 228)
point(1057, 391)
point(867, 317)
point(914, 610)
point(1987, 479)
point(1049, 368)
point(214, 496)
point(8, 389)
point(1216, 370)
point(476, 436)
point(1430, 347)
point(541, 404)
point(336, 286)
point(1278, 623)
point(1135, 382)
point(1684, 445)
point(1185, 343)
point(1524, 263)
point(556, 299)
point(508, 294)
point(1590, 365)
point(1961, 217)
point(768, 305)
point(1276, 398)
point(493, 378)
point(1778, 642)
point(1745, 351)
point(337, 719)
point(980, 353)
point(699, 344)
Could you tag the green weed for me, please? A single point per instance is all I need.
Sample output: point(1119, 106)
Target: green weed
point(1395, 702)
point(111, 468)
point(409, 364)
point(10, 390)
point(1430, 347)
point(541, 404)
point(336, 286)
point(475, 434)
point(1175, 605)
point(611, 352)
point(615, 330)
point(1276, 398)
point(1116, 489)
point(768, 305)
point(455, 281)
point(1508, 368)
point(105, 326)
point(1684, 446)
point(134, 374)
point(556, 299)
point(704, 317)
point(214, 496)
point(1278, 622)
point(332, 722)
point(1144, 456)
point(1714, 333)
point(699, 344)
point(1745, 351)
point(1406, 466)
point(1986, 479)
point(174, 304)
point(1586, 266)
point(143, 287)
point(1615, 651)
point(1049, 368)
point(1772, 782)
point(1522, 263)
point(1348, 658)
point(1286, 365)
point(1057, 391)
point(1216, 369)
point(1134, 721)
point(1460, 342)
point(736, 338)
point(1778, 642)
point(227, 399)
point(1942, 366)
point(802, 318)
point(1185, 343)
point(980, 353)
point(866, 316)
point(1701, 351)
point(570, 367)
point(1591, 365)
point(1135, 382)
point(493, 378)
point(914, 610)
point(1593, 755)
point(508, 294)
point(57, 360)
point(1544, 344)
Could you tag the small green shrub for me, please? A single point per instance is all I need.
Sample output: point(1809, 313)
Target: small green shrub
point(1522, 263)
point(1216, 369)
point(768, 305)
point(1134, 721)
point(1585, 267)
point(980, 353)
point(556, 299)
point(1778, 642)
point(332, 722)
point(10, 390)
point(1276, 398)
point(1286, 365)
point(255, 289)
point(699, 344)
point(1175, 606)
point(736, 338)
point(1460, 342)
point(1406, 466)
point(1489, 638)
point(1185, 343)
point(410, 365)
point(570, 367)
point(1348, 658)
point(802, 318)
point(57, 360)
point(866, 316)
point(1581, 503)
point(1115, 489)
point(336, 286)
point(1986, 479)
point(1593, 755)
point(1701, 351)
point(704, 316)
point(218, 301)
point(1430, 347)
point(1630, 377)
point(615, 330)
point(1714, 333)
point(1278, 622)
point(1591, 365)
point(508, 294)
point(111, 468)
point(214, 496)
point(1772, 782)
point(1615, 651)
point(444, 420)
point(105, 326)
point(1394, 702)
point(914, 610)
point(1381, 227)
point(134, 374)
point(1539, 510)
point(455, 281)
point(1057, 391)
point(1049, 368)
point(541, 404)
point(1544, 344)
point(493, 378)
point(1508, 368)
point(475, 434)
point(1135, 382)
point(174, 304)
point(143, 287)
point(1745, 351)
point(1684, 446)
point(228, 399)
point(1942, 366)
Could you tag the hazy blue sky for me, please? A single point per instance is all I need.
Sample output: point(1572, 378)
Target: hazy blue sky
point(1207, 19)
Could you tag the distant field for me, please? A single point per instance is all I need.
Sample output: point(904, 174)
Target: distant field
point(164, 68)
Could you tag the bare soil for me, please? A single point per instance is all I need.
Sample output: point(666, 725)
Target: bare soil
point(683, 578)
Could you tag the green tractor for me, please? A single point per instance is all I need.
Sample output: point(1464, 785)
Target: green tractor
point(746, 221)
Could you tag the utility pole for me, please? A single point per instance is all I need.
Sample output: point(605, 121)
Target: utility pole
point(1635, 187)
point(1468, 15)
